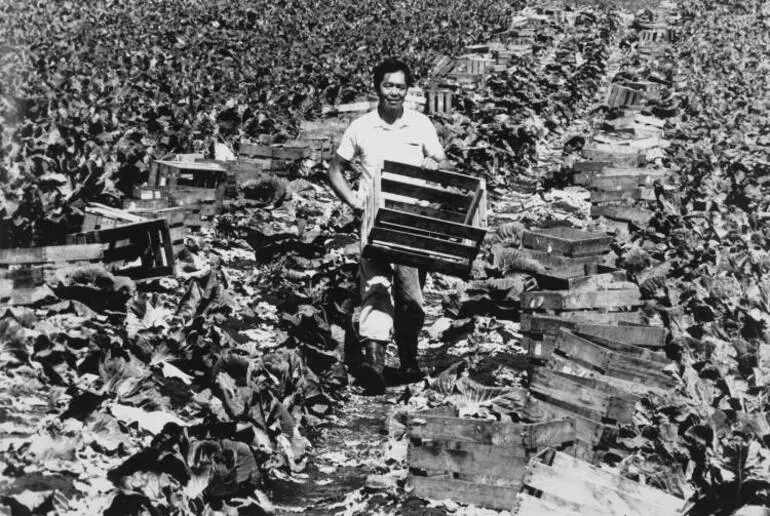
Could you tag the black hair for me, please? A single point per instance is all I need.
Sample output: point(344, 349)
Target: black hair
point(391, 66)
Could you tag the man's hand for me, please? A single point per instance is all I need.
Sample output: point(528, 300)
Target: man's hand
point(358, 207)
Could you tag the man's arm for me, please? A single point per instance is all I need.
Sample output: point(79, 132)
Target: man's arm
point(340, 185)
point(435, 157)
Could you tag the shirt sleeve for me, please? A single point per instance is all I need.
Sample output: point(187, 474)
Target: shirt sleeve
point(347, 147)
point(432, 145)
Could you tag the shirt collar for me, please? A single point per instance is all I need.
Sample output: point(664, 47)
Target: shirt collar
point(403, 121)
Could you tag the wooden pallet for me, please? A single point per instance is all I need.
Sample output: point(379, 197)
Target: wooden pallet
point(476, 461)
point(426, 218)
point(623, 295)
point(146, 242)
point(566, 241)
point(25, 271)
point(557, 483)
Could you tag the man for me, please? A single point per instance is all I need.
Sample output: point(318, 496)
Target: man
point(391, 295)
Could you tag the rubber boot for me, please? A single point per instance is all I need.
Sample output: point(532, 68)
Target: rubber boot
point(370, 372)
point(410, 368)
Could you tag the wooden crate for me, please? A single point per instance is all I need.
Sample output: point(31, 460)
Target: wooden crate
point(172, 174)
point(180, 221)
point(655, 35)
point(624, 97)
point(439, 101)
point(616, 155)
point(557, 261)
point(99, 216)
point(477, 462)
point(566, 241)
point(588, 275)
point(559, 484)
point(425, 218)
point(203, 203)
point(627, 331)
point(441, 66)
point(612, 297)
point(24, 271)
point(146, 242)
point(588, 397)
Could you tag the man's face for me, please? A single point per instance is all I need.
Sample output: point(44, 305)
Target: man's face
point(392, 90)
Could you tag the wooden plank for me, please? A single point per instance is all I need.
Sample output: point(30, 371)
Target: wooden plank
point(472, 493)
point(646, 336)
point(624, 365)
point(421, 243)
point(577, 300)
point(590, 166)
point(425, 211)
point(528, 437)
point(588, 397)
point(632, 194)
point(451, 200)
point(567, 241)
point(442, 177)
point(444, 264)
point(616, 155)
point(552, 261)
point(430, 224)
point(51, 254)
point(469, 458)
point(624, 347)
point(595, 491)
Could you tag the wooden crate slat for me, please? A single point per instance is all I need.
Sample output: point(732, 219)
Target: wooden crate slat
point(424, 211)
point(439, 101)
point(618, 346)
point(526, 436)
point(480, 495)
point(555, 261)
point(451, 200)
point(52, 254)
point(568, 241)
point(627, 194)
point(468, 458)
point(579, 300)
point(419, 242)
point(430, 224)
point(581, 485)
point(442, 177)
point(590, 166)
point(443, 264)
point(646, 336)
point(623, 362)
point(588, 397)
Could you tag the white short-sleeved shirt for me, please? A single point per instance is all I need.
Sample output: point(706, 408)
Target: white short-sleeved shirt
point(408, 140)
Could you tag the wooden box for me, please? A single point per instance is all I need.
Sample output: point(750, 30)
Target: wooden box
point(612, 297)
point(580, 276)
point(566, 241)
point(180, 219)
point(148, 242)
point(99, 216)
point(425, 218)
point(624, 97)
point(439, 101)
point(24, 271)
point(199, 174)
point(474, 461)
